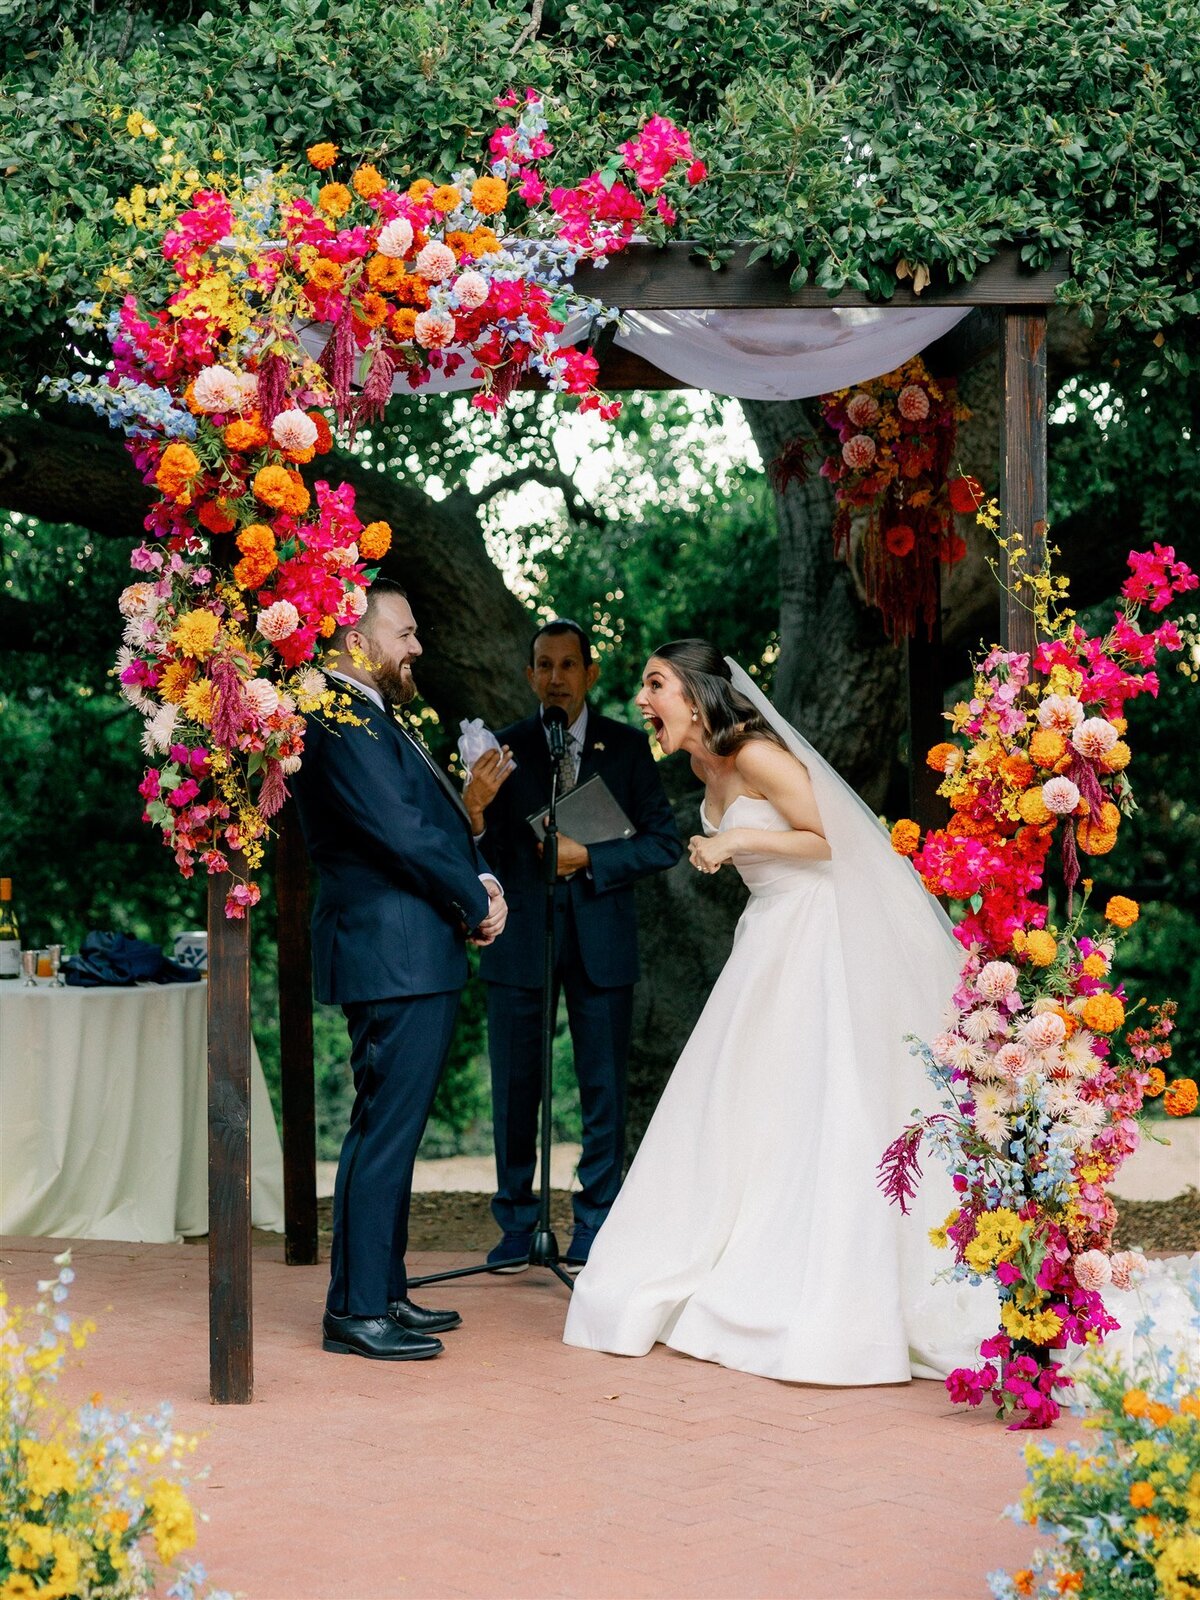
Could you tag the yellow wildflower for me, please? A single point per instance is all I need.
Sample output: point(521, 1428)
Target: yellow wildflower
point(195, 634)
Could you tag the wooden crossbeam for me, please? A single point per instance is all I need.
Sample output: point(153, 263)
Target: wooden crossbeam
point(674, 277)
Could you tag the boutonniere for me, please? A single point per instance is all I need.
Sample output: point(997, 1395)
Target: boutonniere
point(597, 745)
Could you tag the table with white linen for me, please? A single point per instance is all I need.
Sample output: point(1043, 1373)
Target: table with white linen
point(103, 1115)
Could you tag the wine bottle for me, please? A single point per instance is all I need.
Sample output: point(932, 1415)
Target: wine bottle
point(10, 933)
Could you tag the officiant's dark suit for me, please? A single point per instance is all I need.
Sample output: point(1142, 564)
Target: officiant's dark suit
point(596, 939)
point(400, 888)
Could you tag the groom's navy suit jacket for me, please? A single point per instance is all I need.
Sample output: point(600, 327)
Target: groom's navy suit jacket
point(399, 874)
point(601, 897)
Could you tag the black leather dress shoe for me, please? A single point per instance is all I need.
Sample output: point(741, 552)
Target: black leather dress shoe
point(418, 1320)
point(377, 1338)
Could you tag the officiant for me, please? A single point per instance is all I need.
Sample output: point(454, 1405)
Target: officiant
point(595, 932)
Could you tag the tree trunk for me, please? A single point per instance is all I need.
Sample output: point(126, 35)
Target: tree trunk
point(838, 678)
point(474, 630)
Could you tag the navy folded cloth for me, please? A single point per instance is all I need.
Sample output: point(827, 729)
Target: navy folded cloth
point(114, 960)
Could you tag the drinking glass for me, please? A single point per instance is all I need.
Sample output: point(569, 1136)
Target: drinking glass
point(29, 966)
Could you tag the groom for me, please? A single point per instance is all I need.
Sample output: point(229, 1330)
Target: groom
point(402, 889)
point(596, 963)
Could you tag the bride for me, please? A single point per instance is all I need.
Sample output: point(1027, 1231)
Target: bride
point(750, 1230)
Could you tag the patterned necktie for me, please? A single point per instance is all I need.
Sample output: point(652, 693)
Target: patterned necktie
point(566, 765)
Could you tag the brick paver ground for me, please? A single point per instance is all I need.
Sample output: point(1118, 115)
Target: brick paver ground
point(514, 1466)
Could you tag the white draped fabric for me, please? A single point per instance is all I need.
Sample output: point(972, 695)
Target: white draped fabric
point(751, 354)
point(103, 1115)
point(783, 355)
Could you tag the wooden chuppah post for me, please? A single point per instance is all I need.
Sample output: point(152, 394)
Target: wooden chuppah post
point(230, 1314)
point(1023, 491)
point(296, 1043)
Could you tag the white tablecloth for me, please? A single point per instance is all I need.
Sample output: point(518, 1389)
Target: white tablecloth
point(103, 1115)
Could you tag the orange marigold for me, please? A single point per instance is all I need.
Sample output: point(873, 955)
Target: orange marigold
point(941, 755)
point(322, 156)
point(258, 536)
point(374, 541)
point(1122, 912)
point(489, 195)
point(1041, 947)
point(1116, 759)
point(334, 199)
point(403, 322)
point(326, 274)
point(906, 836)
point(1097, 835)
point(245, 434)
point(252, 571)
point(1047, 747)
point(1023, 1581)
point(1103, 1013)
point(273, 485)
point(1190, 1404)
point(173, 684)
point(178, 466)
point(418, 189)
point(1070, 1022)
point(1160, 1414)
point(386, 273)
point(368, 182)
point(1157, 1083)
point(298, 499)
point(1033, 809)
point(445, 198)
point(1017, 770)
point(1180, 1098)
point(372, 310)
point(1095, 966)
point(326, 627)
point(459, 242)
point(1141, 1494)
point(216, 516)
point(484, 242)
point(324, 436)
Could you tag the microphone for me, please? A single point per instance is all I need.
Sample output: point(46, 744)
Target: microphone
point(554, 719)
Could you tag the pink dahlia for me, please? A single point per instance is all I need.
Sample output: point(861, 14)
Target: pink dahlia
point(859, 452)
point(862, 409)
point(1013, 1061)
point(913, 403)
point(471, 289)
point(1060, 712)
point(434, 329)
point(262, 696)
point(1127, 1265)
point(294, 430)
point(1060, 795)
point(396, 239)
point(1093, 1270)
point(996, 979)
point(1094, 737)
point(279, 621)
point(1044, 1031)
point(217, 389)
point(436, 261)
point(138, 600)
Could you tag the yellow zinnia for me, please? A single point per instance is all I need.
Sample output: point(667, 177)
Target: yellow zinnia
point(195, 634)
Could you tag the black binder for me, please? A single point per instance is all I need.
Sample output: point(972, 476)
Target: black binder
point(588, 814)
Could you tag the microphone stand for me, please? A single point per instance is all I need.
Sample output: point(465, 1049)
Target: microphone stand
point(543, 1249)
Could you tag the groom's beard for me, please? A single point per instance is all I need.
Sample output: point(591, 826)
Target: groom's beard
point(395, 683)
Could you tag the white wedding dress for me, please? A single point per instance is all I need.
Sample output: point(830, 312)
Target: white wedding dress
point(750, 1230)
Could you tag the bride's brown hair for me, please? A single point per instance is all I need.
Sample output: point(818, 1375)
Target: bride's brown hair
point(729, 718)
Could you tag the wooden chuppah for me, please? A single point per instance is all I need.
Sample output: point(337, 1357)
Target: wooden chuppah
point(1009, 305)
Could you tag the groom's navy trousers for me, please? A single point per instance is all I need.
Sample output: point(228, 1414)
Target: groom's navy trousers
point(399, 888)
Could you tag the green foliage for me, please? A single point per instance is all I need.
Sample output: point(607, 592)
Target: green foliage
point(844, 138)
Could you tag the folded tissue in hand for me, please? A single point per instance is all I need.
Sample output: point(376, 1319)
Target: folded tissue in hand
point(475, 740)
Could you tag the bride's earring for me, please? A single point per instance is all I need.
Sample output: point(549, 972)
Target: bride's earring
point(695, 715)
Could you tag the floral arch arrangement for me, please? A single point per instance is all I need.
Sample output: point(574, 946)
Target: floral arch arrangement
point(262, 309)
point(1040, 1078)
